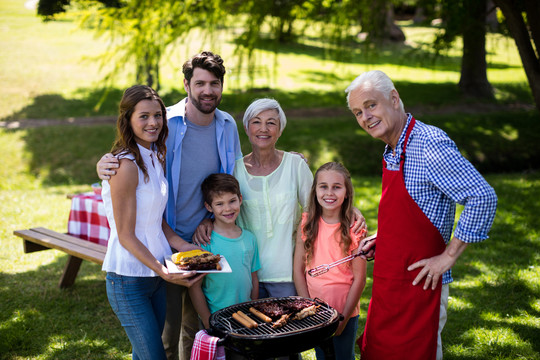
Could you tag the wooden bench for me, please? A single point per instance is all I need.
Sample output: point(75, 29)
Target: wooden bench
point(37, 239)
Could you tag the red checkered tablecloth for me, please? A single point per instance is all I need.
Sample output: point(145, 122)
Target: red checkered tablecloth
point(87, 218)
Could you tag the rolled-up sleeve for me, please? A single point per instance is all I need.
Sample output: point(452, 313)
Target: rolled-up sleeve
point(459, 180)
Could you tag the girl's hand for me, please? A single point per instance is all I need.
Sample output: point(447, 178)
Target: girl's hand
point(203, 232)
point(341, 327)
point(359, 225)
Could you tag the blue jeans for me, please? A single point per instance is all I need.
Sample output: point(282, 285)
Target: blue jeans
point(344, 343)
point(140, 303)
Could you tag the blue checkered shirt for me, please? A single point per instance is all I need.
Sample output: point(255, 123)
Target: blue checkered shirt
point(437, 177)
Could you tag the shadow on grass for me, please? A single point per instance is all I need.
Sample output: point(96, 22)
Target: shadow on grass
point(90, 102)
point(355, 52)
point(498, 318)
point(40, 320)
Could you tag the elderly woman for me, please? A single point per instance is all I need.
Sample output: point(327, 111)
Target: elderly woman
point(275, 187)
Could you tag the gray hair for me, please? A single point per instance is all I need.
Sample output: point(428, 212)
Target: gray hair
point(376, 80)
point(260, 105)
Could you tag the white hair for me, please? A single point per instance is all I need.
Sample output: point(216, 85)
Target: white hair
point(260, 105)
point(376, 80)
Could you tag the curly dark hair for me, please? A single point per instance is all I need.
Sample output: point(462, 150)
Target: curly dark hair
point(125, 137)
point(311, 226)
point(206, 60)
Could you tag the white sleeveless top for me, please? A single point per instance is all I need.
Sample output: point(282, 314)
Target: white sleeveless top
point(151, 200)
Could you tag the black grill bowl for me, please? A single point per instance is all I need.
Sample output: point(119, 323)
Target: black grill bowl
point(263, 341)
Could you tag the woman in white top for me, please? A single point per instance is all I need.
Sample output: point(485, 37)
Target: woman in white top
point(275, 187)
point(140, 240)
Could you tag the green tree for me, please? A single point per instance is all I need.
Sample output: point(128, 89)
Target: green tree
point(139, 31)
point(473, 81)
point(467, 18)
point(522, 18)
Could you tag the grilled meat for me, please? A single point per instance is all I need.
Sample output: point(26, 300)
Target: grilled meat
point(304, 313)
point(299, 304)
point(272, 309)
point(281, 322)
point(282, 311)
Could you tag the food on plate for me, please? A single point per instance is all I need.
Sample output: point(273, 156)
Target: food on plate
point(196, 260)
point(260, 315)
point(244, 320)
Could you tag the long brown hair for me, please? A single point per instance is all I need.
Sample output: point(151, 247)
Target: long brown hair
point(311, 226)
point(125, 137)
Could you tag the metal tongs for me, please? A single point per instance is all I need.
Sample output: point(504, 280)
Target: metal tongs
point(324, 268)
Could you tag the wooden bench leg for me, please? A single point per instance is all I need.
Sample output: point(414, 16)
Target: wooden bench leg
point(70, 272)
point(30, 247)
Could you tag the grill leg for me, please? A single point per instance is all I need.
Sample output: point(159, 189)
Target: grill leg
point(328, 349)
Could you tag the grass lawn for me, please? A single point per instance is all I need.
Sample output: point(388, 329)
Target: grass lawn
point(494, 305)
point(495, 300)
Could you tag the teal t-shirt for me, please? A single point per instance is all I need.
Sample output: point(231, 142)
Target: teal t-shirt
point(222, 290)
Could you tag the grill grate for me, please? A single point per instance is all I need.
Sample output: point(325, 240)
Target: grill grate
point(223, 321)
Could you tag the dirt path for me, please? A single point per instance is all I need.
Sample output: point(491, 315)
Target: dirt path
point(417, 111)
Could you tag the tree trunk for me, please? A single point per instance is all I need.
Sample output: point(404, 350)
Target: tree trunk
point(524, 39)
point(378, 22)
point(474, 80)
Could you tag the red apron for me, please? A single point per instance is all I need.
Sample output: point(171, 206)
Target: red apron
point(402, 320)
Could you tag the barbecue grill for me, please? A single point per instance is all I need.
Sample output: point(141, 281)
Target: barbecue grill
point(264, 341)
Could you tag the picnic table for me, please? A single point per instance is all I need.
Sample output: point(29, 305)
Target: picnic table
point(86, 239)
point(87, 218)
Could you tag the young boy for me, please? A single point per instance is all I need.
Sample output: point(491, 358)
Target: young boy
point(216, 291)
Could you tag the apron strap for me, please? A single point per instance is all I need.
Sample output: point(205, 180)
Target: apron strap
point(409, 129)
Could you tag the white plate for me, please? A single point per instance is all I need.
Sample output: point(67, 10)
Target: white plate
point(225, 267)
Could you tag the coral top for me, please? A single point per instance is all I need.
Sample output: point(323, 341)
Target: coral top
point(334, 285)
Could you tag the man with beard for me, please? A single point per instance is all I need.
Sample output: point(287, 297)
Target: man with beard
point(202, 140)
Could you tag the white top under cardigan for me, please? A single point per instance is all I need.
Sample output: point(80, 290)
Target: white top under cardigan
point(151, 200)
point(271, 208)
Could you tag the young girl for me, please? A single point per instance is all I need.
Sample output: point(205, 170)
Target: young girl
point(324, 236)
point(134, 202)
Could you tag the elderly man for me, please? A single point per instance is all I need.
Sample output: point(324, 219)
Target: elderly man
point(424, 176)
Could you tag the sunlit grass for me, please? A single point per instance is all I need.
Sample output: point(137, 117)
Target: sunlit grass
point(493, 307)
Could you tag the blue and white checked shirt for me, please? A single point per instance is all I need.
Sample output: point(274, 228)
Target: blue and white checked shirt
point(437, 177)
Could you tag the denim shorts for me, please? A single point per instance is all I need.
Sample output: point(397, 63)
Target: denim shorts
point(276, 289)
point(344, 343)
point(140, 304)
